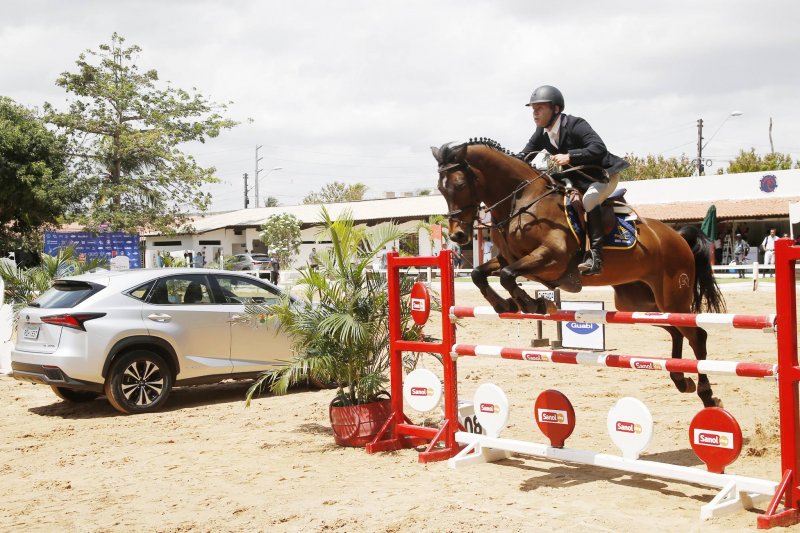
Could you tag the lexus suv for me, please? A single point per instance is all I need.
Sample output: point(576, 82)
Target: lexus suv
point(134, 335)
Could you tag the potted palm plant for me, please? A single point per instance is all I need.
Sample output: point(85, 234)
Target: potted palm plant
point(339, 325)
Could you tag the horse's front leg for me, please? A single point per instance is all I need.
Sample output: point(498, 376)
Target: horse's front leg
point(528, 267)
point(480, 277)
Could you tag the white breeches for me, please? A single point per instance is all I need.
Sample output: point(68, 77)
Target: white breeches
point(598, 192)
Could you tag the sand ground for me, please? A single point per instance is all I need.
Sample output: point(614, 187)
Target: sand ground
point(207, 463)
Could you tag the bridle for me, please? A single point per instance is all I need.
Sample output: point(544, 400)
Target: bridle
point(471, 181)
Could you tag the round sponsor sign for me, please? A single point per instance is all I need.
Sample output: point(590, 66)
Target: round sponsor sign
point(630, 426)
point(555, 416)
point(422, 390)
point(420, 303)
point(716, 438)
point(491, 408)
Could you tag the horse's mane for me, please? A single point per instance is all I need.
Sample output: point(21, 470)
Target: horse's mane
point(491, 143)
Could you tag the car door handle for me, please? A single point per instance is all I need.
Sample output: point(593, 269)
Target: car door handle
point(159, 317)
point(239, 319)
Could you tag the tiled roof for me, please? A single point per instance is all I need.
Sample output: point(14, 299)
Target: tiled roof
point(726, 209)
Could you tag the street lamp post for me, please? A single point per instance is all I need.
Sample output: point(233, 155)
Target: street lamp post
point(270, 171)
point(701, 145)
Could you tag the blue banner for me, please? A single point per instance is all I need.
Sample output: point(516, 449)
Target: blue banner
point(108, 245)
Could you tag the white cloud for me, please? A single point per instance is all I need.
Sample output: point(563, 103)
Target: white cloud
point(358, 91)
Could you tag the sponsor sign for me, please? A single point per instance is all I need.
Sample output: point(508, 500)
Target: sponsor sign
point(422, 390)
point(491, 409)
point(420, 303)
point(535, 356)
point(109, 245)
point(630, 426)
point(716, 439)
point(582, 334)
point(553, 416)
point(647, 364)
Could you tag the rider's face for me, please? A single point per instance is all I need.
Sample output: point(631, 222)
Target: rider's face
point(542, 113)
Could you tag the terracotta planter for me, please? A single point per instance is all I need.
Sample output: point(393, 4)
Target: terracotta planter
point(356, 425)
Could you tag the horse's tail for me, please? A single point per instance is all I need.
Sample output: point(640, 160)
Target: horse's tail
point(707, 295)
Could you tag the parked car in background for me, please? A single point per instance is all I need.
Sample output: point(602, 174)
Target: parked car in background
point(248, 261)
point(134, 335)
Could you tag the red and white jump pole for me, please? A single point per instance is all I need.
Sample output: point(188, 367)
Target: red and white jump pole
point(445, 442)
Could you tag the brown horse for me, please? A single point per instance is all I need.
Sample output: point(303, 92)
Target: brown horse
point(666, 271)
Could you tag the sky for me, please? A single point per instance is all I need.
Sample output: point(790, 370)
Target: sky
point(358, 91)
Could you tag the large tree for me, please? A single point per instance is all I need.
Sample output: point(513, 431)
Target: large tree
point(749, 161)
point(36, 188)
point(654, 167)
point(335, 192)
point(126, 132)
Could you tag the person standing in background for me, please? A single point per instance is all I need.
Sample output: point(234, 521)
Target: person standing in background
point(768, 247)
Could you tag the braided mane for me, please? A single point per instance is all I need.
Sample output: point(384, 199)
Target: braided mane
point(491, 143)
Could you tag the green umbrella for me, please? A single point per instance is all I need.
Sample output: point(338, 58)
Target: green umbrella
point(709, 225)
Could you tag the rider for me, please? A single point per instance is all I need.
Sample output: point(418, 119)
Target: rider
point(572, 142)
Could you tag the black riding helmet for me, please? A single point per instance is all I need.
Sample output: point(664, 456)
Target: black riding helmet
point(547, 93)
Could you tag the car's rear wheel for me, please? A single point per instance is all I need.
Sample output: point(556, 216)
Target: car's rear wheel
point(138, 382)
point(72, 395)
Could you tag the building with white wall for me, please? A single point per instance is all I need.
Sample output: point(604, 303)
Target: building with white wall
point(755, 200)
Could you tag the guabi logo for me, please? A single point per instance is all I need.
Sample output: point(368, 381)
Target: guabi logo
point(581, 328)
point(417, 304)
point(768, 183)
point(535, 356)
point(627, 427)
point(421, 391)
point(489, 408)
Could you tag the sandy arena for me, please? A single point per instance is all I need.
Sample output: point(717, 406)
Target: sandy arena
point(207, 463)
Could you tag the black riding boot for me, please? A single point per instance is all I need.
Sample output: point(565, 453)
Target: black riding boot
point(594, 258)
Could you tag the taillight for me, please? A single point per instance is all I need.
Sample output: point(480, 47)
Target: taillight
point(74, 321)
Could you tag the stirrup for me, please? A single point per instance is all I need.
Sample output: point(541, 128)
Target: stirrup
point(592, 265)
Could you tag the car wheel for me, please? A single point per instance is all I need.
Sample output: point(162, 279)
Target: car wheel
point(138, 382)
point(72, 395)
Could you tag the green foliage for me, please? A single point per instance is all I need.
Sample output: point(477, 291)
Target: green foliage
point(749, 161)
point(271, 201)
point(37, 189)
point(654, 167)
point(25, 285)
point(340, 326)
point(281, 234)
point(125, 137)
point(335, 192)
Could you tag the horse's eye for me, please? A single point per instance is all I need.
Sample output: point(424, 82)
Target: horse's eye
point(459, 186)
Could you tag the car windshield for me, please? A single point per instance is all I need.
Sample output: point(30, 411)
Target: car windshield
point(66, 294)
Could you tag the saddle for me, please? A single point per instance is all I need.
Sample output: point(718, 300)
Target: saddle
point(613, 206)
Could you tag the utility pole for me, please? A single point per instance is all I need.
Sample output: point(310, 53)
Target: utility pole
point(700, 168)
point(246, 192)
point(255, 185)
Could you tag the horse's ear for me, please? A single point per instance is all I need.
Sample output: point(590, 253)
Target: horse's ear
point(459, 153)
point(436, 153)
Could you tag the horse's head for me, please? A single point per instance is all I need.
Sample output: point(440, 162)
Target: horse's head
point(458, 184)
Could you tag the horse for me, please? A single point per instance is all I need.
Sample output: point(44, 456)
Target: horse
point(665, 271)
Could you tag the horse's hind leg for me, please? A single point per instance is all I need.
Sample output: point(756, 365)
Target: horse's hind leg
point(697, 338)
point(639, 297)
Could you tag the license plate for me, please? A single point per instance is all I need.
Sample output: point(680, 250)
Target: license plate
point(31, 333)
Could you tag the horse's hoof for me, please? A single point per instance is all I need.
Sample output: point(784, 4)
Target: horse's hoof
point(690, 385)
point(506, 306)
point(717, 402)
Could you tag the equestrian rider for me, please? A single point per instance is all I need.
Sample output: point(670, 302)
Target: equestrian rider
point(572, 142)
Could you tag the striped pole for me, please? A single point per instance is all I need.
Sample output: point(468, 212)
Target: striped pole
point(598, 316)
point(730, 368)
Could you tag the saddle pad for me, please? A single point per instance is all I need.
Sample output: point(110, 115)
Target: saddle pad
point(622, 237)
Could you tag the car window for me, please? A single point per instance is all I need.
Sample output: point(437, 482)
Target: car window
point(245, 291)
point(189, 289)
point(261, 258)
point(66, 293)
point(141, 291)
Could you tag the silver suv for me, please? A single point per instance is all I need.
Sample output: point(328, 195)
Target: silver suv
point(133, 335)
